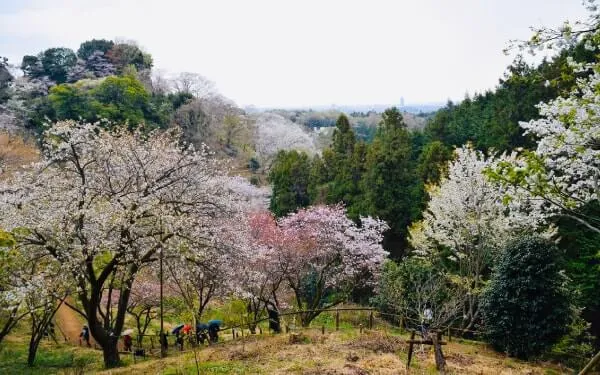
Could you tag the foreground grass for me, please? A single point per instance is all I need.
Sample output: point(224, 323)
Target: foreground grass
point(50, 359)
point(344, 352)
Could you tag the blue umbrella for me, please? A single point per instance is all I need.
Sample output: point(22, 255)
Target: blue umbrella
point(216, 322)
point(177, 329)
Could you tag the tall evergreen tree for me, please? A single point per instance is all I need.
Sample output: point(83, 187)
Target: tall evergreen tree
point(343, 167)
point(392, 190)
point(289, 177)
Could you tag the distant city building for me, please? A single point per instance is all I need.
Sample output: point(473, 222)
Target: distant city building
point(402, 102)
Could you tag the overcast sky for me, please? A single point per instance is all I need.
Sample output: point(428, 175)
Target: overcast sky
point(300, 53)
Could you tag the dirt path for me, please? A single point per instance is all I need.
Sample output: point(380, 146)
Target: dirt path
point(70, 324)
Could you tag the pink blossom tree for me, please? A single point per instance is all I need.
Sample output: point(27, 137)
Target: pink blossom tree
point(258, 277)
point(324, 256)
point(143, 302)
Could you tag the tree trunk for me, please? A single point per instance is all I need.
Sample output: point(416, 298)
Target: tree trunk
point(34, 343)
point(110, 352)
point(274, 322)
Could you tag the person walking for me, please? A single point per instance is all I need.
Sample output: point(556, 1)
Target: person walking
point(213, 330)
point(84, 335)
point(426, 321)
point(127, 342)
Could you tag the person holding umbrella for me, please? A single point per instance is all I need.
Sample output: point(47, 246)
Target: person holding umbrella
point(127, 340)
point(213, 330)
point(178, 336)
point(201, 332)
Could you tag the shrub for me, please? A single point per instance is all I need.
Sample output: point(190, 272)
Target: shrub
point(525, 306)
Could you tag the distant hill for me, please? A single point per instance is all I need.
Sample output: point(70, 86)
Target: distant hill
point(379, 108)
point(322, 122)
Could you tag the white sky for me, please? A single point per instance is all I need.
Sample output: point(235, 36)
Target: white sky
point(305, 52)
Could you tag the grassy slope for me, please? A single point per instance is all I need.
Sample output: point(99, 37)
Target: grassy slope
point(343, 352)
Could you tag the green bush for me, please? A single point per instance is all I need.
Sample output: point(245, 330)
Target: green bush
point(525, 306)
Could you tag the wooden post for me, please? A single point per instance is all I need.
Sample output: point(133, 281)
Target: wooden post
point(323, 329)
point(449, 334)
point(233, 333)
point(591, 364)
point(440, 362)
point(371, 320)
point(360, 327)
point(410, 349)
point(337, 320)
point(151, 342)
point(287, 328)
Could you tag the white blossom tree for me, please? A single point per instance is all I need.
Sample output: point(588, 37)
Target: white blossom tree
point(273, 132)
point(103, 204)
point(144, 301)
point(564, 169)
point(469, 219)
point(193, 83)
point(12, 292)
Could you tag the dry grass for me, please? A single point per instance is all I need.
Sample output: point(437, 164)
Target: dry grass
point(337, 353)
point(15, 152)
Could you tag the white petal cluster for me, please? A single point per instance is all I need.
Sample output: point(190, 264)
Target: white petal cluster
point(106, 202)
point(569, 146)
point(472, 216)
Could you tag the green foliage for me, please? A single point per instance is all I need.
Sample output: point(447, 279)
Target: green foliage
point(123, 55)
point(433, 162)
point(491, 119)
point(54, 63)
point(582, 253)
point(118, 99)
point(343, 137)
point(396, 288)
point(32, 66)
point(57, 62)
point(289, 177)
point(90, 46)
point(338, 174)
point(70, 102)
point(392, 189)
point(576, 347)
point(5, 79)
point(6, 240)
point(525, 306)
point(121, 99)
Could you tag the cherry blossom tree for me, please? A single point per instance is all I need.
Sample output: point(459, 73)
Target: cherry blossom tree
point(258, 276)
point(198, 280)
point(273, 132)
point(193, 83)
point(105, 203)
point(47, 291)
point(29, 287)
point(469, 219)
point(143, 302)
point(325, 256)
point(564, 169)
point(563, 37)
point(11, 293)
